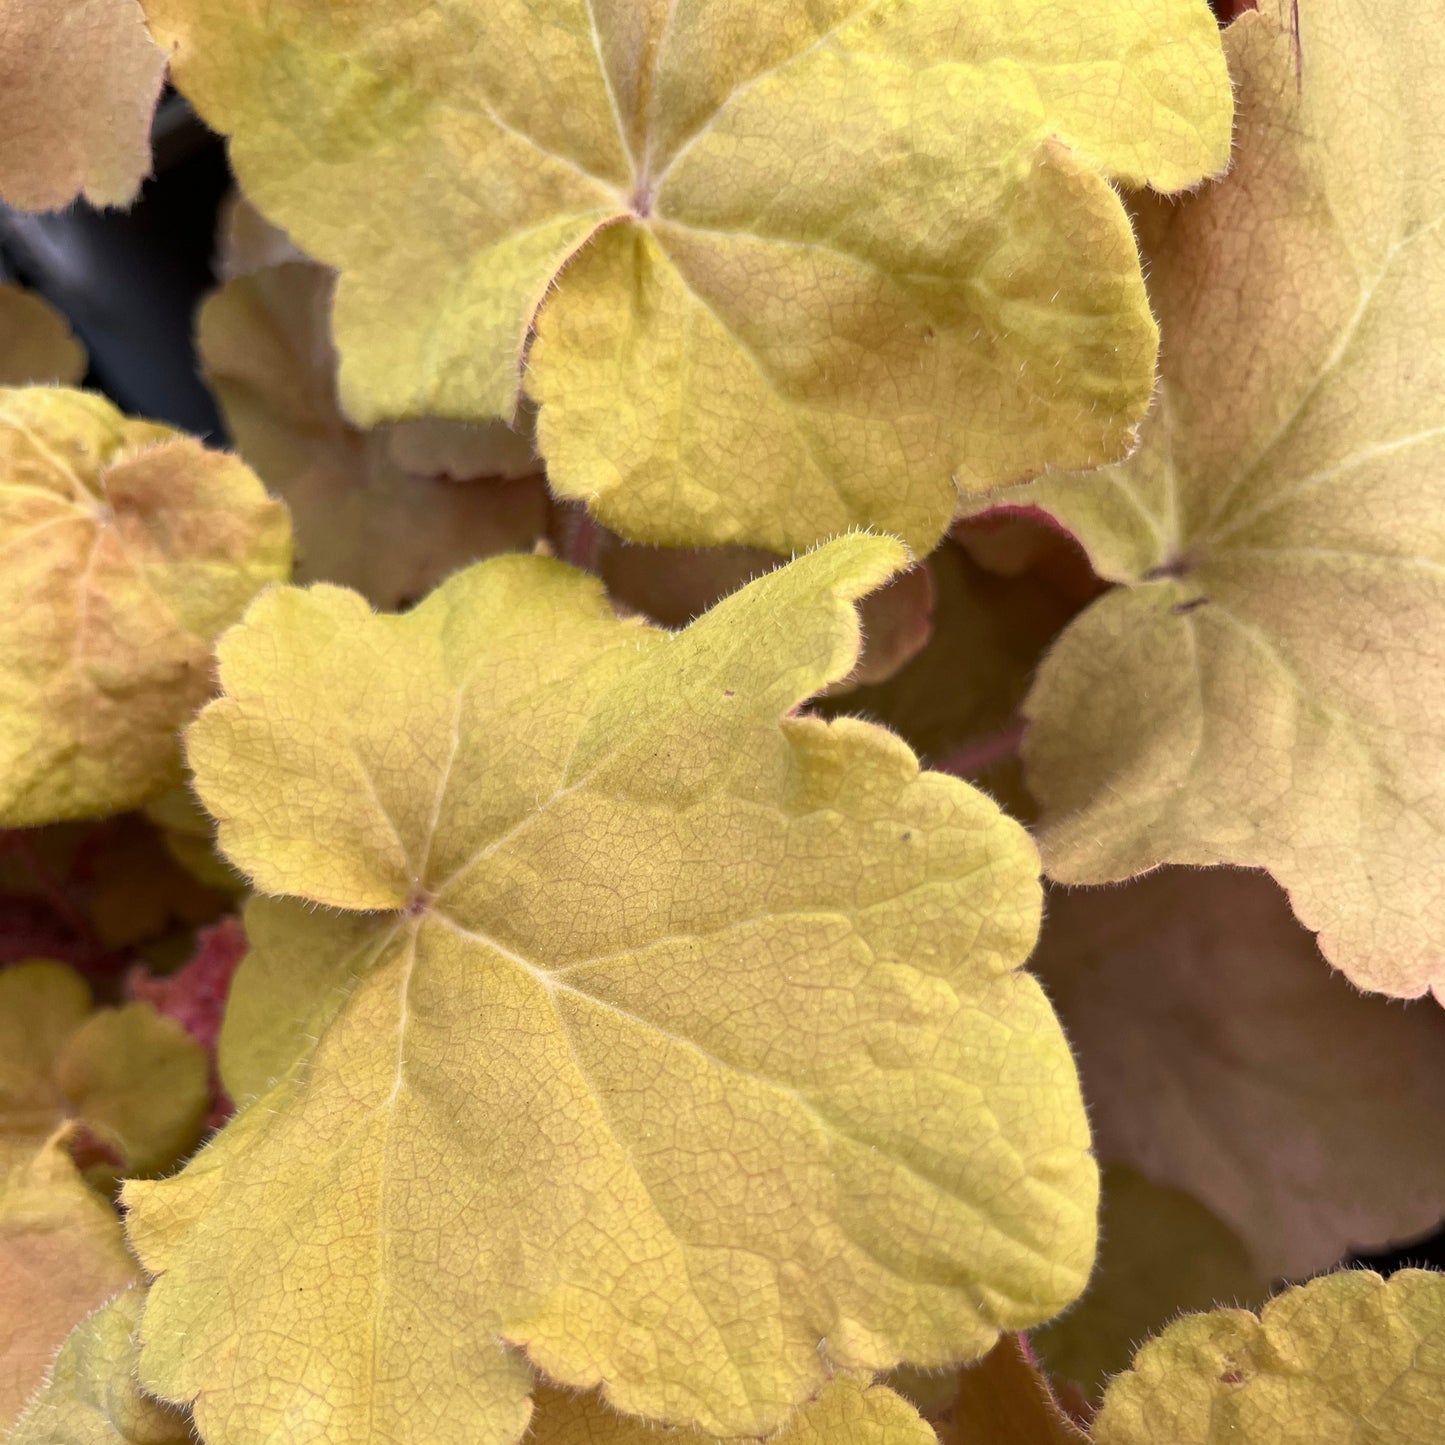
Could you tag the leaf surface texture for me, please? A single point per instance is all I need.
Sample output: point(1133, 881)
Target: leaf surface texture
point(1266, 684)
point(124, 550)
point(91, 1395)
point(79, 83)
point(791, 268)
point(1348, 1359)
point(666, 1035)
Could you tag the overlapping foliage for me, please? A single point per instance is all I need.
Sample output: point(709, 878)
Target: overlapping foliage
point(783, 262)
point(1267, 685)
point(453, 993)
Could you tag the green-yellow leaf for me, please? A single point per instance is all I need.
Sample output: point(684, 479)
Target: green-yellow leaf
point(61, 1256)
point(124, 549)
point(1221, 1055)
point(36, 343)
point(391, 510)
point(1161, 1253)
point(1349, 1359)
point(792, 267)
point(668, 1036)
point(134, 1078)
point(91, 1395)
point(1267, 684)
point(846, 1411)
point(79, 83)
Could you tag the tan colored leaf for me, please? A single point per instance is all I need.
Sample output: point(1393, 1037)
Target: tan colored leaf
point(61, 1256)
point(91, 1396)
point(125, 548)
point(968, 681)
point(1005, 1399)
point(79, 81)
point(36, 343)
point(390, 511)
point(1222, 1056)
point(1349, 1359)
point(1266, 686)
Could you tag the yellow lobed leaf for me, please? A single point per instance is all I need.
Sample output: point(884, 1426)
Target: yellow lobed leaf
point(1161, 1253)
point(138, 1077)
point(791, 267)
point(134, 1078)
point(79, 83)
point(672, 585)
point(126, 548)
point(389, 511)
point(1349, 1359)
point(91, 1395)
point(672, 1038)
point(1222, 1056)
point(61, 1256)
point(36, 343)
point(1266, 685)
point(846, 1409)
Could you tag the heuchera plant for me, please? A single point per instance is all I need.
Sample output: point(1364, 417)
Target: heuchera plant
point(556, 892)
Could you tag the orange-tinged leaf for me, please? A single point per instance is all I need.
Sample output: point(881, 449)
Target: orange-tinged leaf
point(126, 549)
point(792, 268)
point(61, 1256)
point(1266, 686)
point(968, 681)
point(36, 343)
point(956, 700)
point(79, 83)
point(672, 1038)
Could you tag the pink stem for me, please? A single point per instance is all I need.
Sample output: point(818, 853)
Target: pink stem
point(583, 540)
point(985, 752)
